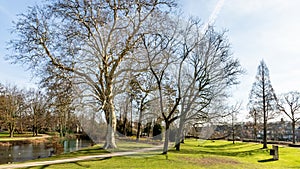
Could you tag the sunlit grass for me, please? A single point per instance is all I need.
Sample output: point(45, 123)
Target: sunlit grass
point(4, 136)
point(193, 154)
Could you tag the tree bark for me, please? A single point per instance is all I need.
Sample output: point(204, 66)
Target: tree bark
point(167, 135)
point(179, 136)
point(293, 126)
point(139, 123)
point(125, 121)
point(264, 109)
point(138, 131)
point(255, 126)
point(11, 130)
point(140, 117)
point(110, 142)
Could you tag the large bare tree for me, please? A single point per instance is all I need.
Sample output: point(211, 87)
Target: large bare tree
point(289, 104)
point(190, 69)
point(209, 70)
point(91, 39)
point(262, 97)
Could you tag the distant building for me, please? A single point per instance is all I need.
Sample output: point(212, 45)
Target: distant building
point(277, 131)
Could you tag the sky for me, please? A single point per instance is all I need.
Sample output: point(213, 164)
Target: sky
point(10, 73)
point(257, 29)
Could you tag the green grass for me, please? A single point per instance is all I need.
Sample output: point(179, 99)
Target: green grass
point(194, 154)
point(95, 150)
point(4, 137)
point(6, 134)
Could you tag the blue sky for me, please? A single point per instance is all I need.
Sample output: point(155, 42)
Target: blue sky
point(12, 74)
point(257, 29)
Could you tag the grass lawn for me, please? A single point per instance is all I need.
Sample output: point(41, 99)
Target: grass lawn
point(4, 137)
point(194, 154)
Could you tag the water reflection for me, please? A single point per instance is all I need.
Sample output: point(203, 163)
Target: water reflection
point(24, 152)
point(75, 144)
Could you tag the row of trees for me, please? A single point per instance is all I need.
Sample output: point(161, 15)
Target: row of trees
point(31, 110)
point(265, 105)
point(141, 50)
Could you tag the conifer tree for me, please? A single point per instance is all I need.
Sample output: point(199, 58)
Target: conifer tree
point(262, 97)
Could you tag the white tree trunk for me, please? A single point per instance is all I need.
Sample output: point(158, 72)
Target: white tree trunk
point(110, 142)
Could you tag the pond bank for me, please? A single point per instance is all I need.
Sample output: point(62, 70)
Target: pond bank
point(23, 150)
point(8, 141)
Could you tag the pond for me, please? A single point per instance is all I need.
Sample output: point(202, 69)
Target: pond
point(24, 152)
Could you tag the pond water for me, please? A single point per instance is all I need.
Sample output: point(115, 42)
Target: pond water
point(24, 152)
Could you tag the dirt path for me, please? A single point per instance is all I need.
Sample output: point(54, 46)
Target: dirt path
point(82, 158)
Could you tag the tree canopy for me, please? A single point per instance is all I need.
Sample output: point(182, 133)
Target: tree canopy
point(94, 50)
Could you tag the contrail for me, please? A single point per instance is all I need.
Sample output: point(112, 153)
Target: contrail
point(212, 18)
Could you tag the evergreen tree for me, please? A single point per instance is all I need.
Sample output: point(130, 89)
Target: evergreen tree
point(262, 97)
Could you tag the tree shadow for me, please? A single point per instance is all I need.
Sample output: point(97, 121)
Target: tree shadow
point(220, 152)
point(76, 163)
point(39, 167)
point(266, 160)
point(227, 145)
point(81, 165)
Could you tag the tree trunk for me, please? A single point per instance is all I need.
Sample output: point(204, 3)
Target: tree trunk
point(166, 142)
point(264, 110)
point(125, 120)
point(11, 134)
point(139, 126)
point(178, 140)
point(36, 130)
point(61, 130)
point(265, 132)
point(233, 136)
point(140, 118)
point(255, 127)
point(293, 126)
point(110, 142)
point(21, 127)
point(138, 131)
point(11, 130)
point(232, 125)
point(179, 136)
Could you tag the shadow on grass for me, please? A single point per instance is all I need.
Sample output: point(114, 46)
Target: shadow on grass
point(40, 167)
point(227, 145)
point(266, 160)
point(76, 163)
point(222, 152)
point(81, 165)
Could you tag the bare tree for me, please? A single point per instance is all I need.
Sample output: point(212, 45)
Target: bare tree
point(257, 119)
point(206, 71)
point(159, 50)
point(189, 68)
point(12, 103)
point(91, 39)
point(289, 104)
point(262, 97)
point(142, 85)
point(38, 106)
point(233, 110)
point(60, 95)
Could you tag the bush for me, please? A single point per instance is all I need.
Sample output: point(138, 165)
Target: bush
point(157, 130)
